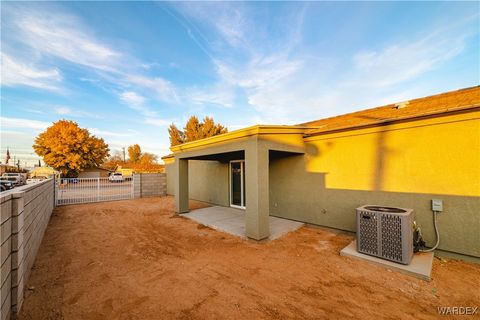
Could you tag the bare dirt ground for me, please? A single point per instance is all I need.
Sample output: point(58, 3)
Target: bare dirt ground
point(136, 259)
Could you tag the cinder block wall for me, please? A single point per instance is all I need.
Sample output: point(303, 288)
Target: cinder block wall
point(149, 185)
point(24, 219)
point(6, 255)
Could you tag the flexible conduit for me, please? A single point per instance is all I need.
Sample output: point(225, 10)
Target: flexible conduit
point(437, 234)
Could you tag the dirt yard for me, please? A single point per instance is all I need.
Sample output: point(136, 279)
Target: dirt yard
point(136, 259)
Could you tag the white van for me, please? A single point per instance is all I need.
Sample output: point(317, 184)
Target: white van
point(18, 179)
point(116, 177)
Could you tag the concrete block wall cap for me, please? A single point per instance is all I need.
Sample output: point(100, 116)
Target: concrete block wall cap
point(18, 194)
point(5, 197)
point(32, 186)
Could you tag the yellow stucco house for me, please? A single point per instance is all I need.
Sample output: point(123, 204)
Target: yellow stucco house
point(45, 172)
point(318, 172)
point(126, 172)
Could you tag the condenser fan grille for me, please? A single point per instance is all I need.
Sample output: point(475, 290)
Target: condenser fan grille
point(368, 238)
point(391, 229)
point(385, 232)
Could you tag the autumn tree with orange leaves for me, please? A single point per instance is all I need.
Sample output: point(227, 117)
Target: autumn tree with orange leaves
point(134, 153)
point(139, 161)
point(195, 130)
point(70, 149)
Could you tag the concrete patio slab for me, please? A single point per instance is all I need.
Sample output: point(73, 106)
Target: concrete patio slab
point(420, 266)
point(232, 221)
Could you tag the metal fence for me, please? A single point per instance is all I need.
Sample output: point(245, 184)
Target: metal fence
point(84, 190)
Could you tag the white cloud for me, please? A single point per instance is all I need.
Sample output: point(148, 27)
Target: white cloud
point(16, 72)
point(162, 89)
point(258, 72)
point(23, 123)
point(63, 110)
point(68, 111)
point(287, 83)
point(218, 94)
point(33, 110)
point(402, 62)
point(63, 36)
point(128, 133)
point(136, 102)
point(157, 122)
point(57, 34)
point(132, 98)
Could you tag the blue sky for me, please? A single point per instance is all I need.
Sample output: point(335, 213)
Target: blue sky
point(126, 70)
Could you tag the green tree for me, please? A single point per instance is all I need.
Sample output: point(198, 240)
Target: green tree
point(70, 149)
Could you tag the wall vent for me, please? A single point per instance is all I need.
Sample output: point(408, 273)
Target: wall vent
point(401, 105)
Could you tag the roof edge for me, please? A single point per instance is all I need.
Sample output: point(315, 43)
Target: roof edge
point(392, 104)
point(319, 131)
point(241, 133)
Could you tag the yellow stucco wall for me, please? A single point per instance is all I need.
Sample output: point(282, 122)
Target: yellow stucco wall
point(403, 165)
point(439, 155)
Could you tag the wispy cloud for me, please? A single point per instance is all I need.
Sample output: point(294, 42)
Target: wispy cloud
point(63, 36)
point(160, 88)
point(21, 123)
point(136, 102)
point(157, 122)
point(274, 74)
point(286, 83)
point(219, 94)
point(73, 112)
point(60, 35)
point(30, 110)
point(132, 98)
point(402, 62)
point(107, 133)
point(16, 72)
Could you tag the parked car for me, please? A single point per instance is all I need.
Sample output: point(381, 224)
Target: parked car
point(18, 179)
point(69, 180)
point(6, 185)
point(35, 179)
point(116, 177)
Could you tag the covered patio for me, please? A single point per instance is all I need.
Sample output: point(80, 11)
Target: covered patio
point(254, 147)
point(232, 220)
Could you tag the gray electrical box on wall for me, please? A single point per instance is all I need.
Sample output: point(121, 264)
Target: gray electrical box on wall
point(437, 205)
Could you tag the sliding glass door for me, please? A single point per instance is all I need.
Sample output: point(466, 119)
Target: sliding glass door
point(237, 184)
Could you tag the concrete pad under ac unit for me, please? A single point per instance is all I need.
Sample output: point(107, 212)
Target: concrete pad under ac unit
point(420, 266)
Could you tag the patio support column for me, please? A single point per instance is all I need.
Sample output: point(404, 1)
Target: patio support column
point(181, 185)
point(257, 190)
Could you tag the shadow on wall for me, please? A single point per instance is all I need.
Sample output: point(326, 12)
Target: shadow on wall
point(302, 195)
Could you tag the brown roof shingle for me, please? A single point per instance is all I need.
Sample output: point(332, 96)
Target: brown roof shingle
point(440, 103)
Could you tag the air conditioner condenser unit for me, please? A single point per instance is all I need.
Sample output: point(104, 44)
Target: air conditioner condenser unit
point(385, 232)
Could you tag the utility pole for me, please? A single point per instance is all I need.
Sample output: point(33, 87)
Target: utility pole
point(123, 149)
